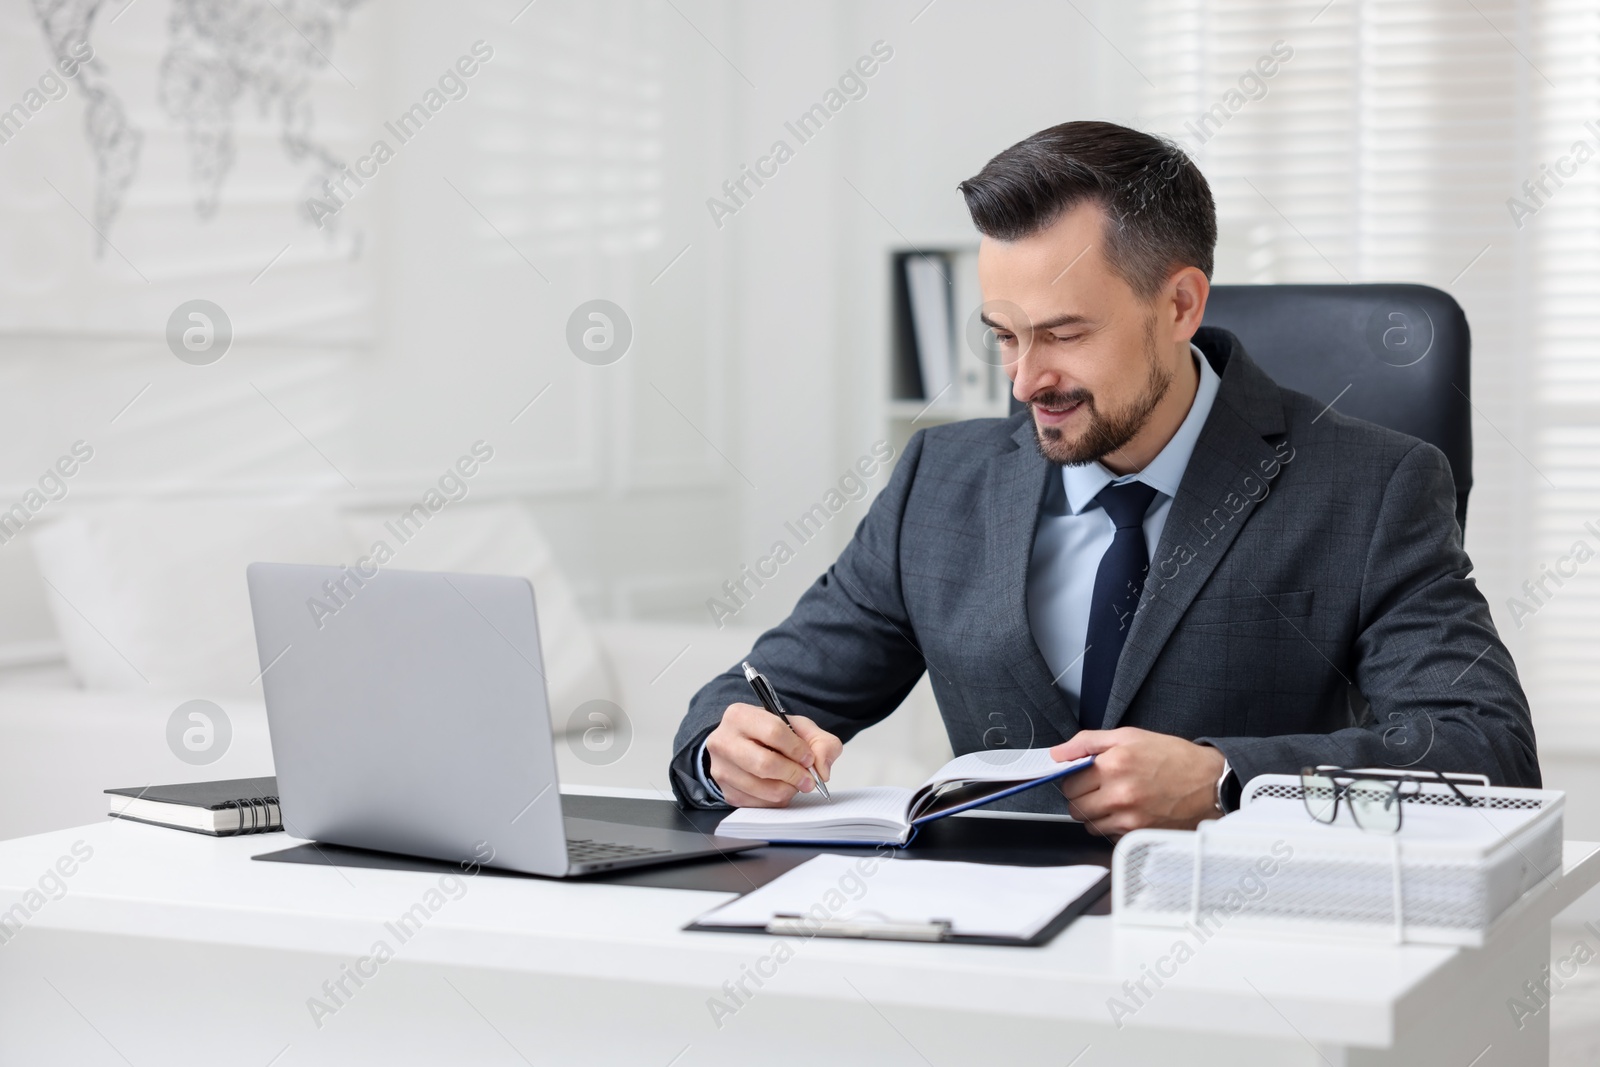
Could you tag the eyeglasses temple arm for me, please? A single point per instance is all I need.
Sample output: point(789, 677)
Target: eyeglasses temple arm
point(1453, 787)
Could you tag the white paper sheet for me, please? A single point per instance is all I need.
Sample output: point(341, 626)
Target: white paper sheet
point(1450, 823)
point(852, 812)
point(977, 898)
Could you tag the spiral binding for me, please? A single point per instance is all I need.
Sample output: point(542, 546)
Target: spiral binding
point(264, 814)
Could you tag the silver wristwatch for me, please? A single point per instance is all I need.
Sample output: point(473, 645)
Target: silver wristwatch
point(1222, 781)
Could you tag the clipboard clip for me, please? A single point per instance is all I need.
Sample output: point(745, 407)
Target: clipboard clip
point(880, 930)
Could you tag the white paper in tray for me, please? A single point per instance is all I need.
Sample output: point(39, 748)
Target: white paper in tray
point(1483, 828)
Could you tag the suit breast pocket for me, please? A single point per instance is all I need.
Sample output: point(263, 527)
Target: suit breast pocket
point(1253, 661)
point(1229, 611)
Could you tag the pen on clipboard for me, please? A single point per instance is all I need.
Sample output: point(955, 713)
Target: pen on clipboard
point(769, 700)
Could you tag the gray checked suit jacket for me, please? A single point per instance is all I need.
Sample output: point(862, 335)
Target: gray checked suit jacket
point(1309, 603)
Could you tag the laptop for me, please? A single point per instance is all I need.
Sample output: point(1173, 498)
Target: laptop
point(408, 713)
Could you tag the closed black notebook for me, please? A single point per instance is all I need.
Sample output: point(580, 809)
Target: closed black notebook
point(221, 809)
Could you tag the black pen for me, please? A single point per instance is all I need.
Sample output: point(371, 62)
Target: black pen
point(769, 700)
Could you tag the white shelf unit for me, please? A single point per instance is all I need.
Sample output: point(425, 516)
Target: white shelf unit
point(978, 387)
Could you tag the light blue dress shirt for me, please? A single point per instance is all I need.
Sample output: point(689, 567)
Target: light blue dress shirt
point(1074, 532)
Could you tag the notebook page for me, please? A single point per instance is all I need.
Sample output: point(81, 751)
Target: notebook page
point(879, 806)
point(1000, 765)
point(978, 898)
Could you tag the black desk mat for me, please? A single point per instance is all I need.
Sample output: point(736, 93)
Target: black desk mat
point(1020, 842)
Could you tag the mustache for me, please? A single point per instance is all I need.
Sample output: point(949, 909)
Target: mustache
point(1052, 398)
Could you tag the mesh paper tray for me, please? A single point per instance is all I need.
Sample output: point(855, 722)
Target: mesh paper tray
point(1289, 876)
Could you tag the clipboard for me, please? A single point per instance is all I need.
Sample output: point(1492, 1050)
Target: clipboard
point(932, 930)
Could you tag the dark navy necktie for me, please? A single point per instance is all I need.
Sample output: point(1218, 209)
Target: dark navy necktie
point(1117, 586)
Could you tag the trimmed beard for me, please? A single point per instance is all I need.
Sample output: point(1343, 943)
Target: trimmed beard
point(1106, 433)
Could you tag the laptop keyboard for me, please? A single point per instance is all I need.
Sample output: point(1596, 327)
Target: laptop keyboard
point(585, 850)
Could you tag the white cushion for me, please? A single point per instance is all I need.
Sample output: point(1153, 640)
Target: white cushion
point(63, 746)
point(157, 589)
point(502, 538)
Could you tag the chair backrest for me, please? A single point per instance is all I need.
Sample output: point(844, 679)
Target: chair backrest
point(1397, 355)
point(1393, 354)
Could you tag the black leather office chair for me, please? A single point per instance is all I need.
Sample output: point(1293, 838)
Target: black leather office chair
point(1396, 355)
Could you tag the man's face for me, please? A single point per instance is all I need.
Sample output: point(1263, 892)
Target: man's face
point(1091, 359)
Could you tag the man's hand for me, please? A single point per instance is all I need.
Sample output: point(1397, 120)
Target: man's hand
point(758, 762)
point(1140, 779)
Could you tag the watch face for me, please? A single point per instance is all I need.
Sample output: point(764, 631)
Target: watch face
point(1230, 789)
point(1223, 780)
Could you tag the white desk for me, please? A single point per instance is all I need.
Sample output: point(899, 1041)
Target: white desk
point(170, 948)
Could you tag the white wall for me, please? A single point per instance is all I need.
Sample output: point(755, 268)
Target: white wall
point(813, 245)
point(590, 144)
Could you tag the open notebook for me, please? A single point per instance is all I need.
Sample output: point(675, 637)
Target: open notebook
point(890, 814)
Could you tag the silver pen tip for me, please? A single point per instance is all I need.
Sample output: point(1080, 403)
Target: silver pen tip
point(749, 671)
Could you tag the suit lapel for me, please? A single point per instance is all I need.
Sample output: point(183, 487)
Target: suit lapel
point(1018, 481)
point(1223, 484)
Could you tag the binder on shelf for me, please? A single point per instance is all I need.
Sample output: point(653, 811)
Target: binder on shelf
point(923, 358)
point(928, 287)
point(934, 365)
point(980, 382)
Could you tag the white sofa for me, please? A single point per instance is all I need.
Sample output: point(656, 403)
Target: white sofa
point(62, 745)
point(62, 742)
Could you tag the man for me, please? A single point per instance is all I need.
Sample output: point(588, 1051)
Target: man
point(1167, 561)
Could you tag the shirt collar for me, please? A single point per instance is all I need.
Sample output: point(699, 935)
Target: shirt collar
point(1083, 483)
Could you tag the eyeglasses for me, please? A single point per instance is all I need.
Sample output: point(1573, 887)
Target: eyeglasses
point(1373, 796)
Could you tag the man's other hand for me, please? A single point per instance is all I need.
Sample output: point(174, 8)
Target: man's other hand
point(758, 762)
point(1139, 779)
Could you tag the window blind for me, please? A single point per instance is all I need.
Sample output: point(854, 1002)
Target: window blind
point(1391, 142)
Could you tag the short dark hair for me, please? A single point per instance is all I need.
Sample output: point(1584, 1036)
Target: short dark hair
point(1159, 210)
